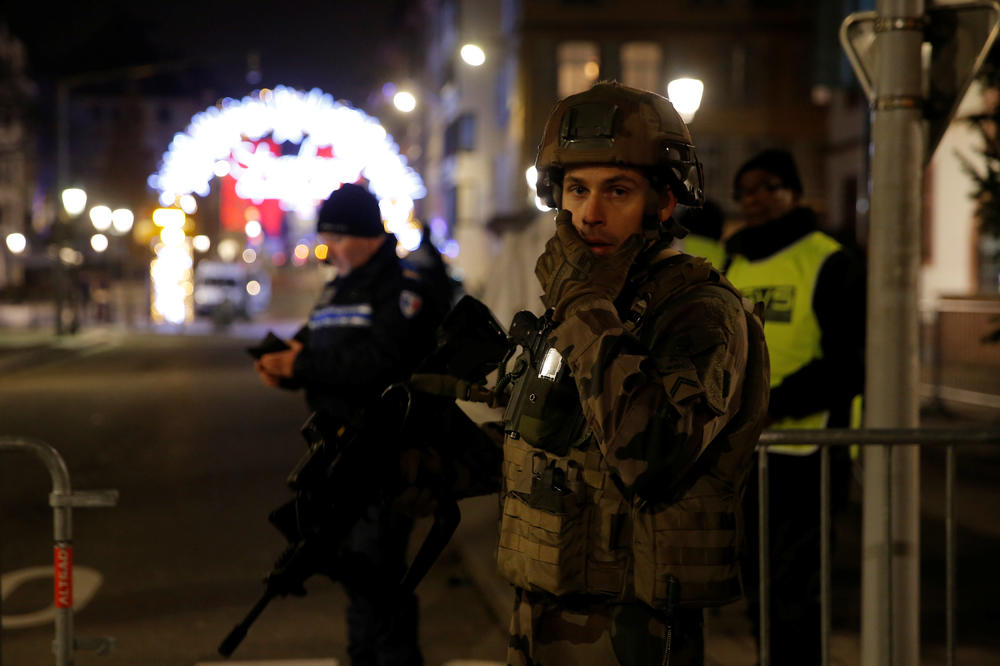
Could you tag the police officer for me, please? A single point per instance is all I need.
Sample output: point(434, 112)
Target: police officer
point(371, 326)
point(814, 321)
point(635, 406)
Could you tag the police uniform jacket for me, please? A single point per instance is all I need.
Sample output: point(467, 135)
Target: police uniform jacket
point(368, 330)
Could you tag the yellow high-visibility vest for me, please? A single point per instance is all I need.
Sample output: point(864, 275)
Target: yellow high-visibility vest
point(709, 248)
point(785, 282)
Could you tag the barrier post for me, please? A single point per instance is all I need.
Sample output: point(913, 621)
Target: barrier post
point(62, 499)
point(876, 441)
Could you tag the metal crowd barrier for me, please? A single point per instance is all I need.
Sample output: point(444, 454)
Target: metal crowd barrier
point(862, 437)
point(62, 500)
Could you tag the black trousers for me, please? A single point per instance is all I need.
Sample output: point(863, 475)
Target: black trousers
point(381, 624)
point(794, 536)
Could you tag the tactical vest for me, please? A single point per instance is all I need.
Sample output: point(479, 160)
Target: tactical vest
point(567, 527)
point(785, 282)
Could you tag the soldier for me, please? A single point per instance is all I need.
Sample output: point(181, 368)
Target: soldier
point(371, 326)
point(641, 394)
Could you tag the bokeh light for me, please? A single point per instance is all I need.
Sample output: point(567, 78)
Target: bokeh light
point(100, 217)
point(99, 242)
point(473, 55)
point(404, 101)
point(122, 220)
point(74, 200)
point(16, 242)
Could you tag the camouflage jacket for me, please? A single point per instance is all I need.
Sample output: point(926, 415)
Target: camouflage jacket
point(655, 398)
point(672, 382)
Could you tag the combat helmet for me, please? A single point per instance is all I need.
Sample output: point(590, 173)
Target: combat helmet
point(615, 124)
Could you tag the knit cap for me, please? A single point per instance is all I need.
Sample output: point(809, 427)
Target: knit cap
point(352, 211)
point(779, 162)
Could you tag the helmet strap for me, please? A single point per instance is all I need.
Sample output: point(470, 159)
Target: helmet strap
point(653, 228)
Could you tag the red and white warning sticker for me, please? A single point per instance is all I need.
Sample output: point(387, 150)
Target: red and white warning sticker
point(63, 559)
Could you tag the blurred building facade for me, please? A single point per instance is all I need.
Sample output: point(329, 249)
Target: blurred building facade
point(774, 76)
point(760, 61)
point(17, 150)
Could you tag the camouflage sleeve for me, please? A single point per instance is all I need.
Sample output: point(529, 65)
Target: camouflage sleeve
point(654, 410)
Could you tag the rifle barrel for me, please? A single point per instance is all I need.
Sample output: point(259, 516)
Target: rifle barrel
point(239, 632)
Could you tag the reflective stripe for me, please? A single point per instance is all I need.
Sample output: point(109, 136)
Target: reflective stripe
point(341, 315)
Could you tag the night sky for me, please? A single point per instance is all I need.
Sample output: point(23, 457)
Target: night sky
point(346, 48)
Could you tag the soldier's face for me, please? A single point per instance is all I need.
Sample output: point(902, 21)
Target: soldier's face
point(763, 197)
point(348, 252)
point(607, 204)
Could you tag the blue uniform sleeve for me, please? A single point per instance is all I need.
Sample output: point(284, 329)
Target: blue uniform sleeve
point(399, 336)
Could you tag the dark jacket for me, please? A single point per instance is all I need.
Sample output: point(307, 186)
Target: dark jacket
point(830, 382)
point(369, 329)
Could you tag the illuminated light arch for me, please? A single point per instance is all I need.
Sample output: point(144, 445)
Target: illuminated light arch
point(336, 144)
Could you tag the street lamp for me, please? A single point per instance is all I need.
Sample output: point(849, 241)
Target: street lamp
point(404, 101)
point(16, 242)
point(473, 55)
point(74, 200)
point(99, 242)
point(122, 220)
point(685, 95)
point(100, 217)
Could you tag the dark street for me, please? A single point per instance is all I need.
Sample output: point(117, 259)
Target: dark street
point(198, 449)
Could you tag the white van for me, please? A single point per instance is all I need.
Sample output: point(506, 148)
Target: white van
point(232, 287)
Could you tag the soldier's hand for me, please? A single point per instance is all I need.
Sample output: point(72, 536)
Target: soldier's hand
point(571, 274)
point(279, 364)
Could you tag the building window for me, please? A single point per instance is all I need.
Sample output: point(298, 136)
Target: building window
point(641, 63)
point(460, 134)
point(579, 66)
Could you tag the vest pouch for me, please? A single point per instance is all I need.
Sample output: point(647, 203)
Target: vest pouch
point(609, 556)
point(696, 540)
point(543, 535)
point(548, 414)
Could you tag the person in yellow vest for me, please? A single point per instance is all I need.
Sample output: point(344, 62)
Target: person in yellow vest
point(813, 290)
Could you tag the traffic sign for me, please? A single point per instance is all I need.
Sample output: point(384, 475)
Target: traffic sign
point(957, 38)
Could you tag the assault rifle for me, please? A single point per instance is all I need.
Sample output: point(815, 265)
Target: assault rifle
point(351, 465)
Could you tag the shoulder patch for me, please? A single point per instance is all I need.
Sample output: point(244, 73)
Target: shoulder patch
point(410, 303)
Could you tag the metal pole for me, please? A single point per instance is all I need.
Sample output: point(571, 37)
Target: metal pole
point(877, 438)
point(949, 529)
point(890, 560)
point(60, 278)
point(824, 554)
point(62, 528)
point(764, 550)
